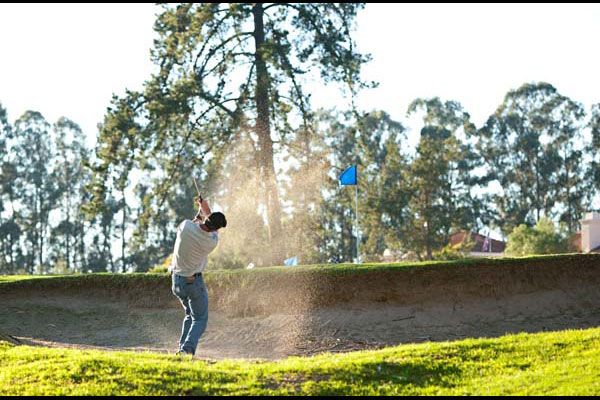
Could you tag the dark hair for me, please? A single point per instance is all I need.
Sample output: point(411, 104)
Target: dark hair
point(216, 220)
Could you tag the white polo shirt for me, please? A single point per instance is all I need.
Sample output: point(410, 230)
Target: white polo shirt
point(192, 246)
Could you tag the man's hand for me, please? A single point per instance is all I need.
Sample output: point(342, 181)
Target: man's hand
point(198, 201)
point(203, 209)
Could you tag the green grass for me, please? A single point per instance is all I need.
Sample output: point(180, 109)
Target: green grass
point(13, 278)
point(560, 363)
point(416, 265)
point(555, 363)
point(228, 282)
point(333, 268)
point(114, 280)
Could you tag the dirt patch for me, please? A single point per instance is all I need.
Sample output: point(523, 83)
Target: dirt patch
point(112, 325)
point(279, 317)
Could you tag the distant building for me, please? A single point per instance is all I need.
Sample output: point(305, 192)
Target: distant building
point(588, 239)
point(484, 246)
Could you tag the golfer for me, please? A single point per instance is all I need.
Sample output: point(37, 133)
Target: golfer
point(195, 240)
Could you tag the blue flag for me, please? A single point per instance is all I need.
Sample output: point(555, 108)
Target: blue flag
point(349, 176)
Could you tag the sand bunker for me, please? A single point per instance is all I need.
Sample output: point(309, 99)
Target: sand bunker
point(442, 311)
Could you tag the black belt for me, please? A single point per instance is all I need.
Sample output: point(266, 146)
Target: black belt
point(195, 275)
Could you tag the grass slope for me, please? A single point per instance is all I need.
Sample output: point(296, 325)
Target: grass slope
point(555, 363)
point(318, 268)
point(14, 278)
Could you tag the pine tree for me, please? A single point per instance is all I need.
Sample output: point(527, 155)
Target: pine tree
point(225, 68)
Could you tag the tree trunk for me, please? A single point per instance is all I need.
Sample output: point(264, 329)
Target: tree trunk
point(346, 234)
point(2, 243)
point(123, 265)
point(11, 252)
point(81, 236)
point(38, 233)
point(263, 131)
point(12, 244)
point(68, 241)
point(106, 248)
point(427, 229)
point(537, 190)
point(428, 243)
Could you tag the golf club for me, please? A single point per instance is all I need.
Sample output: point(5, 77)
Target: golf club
point(196, 184)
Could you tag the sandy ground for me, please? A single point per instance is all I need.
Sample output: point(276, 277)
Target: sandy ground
point(98, 323)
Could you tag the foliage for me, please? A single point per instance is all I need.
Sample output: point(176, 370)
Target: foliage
point(532, 147)
point(226, 70)
point(163, 268)
point(454, 252)
point(544, 238)
point(144, 281)
point(43, 228)
point(373, 144)
point(68, 210)
point(593, 150)
point(438, 180)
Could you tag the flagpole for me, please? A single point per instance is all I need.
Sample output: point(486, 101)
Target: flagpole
point(357, 233)
point(348, 177)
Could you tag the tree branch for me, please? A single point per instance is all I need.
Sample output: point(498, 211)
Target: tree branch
point(215, 49)
point(290, 72)
point(207, 40)
point(282, 4)
point(178, 156)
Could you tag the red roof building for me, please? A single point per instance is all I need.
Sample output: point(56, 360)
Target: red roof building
point(484, 246)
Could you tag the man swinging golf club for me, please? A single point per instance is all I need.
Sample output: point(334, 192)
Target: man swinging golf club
point(195, 240)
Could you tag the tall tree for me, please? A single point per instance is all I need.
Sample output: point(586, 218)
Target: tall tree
point(37, 189)
point(226, 67)
point(308, 176)
point(373, 144)
point(593, 171)
point(566, 118)
point(529, 145)
point(71, 178)
point(439, 179)
point(382, 208)
point(9, 230)
point(338, 235)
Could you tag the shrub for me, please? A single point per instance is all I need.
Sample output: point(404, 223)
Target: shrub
point(163, 268)
point(544, 238)
point(456, 252)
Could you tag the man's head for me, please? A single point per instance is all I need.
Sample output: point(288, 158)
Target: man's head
point(215, 221)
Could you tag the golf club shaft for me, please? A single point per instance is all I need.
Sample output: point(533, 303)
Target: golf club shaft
point(196, 184)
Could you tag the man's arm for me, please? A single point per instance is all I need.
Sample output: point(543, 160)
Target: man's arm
point(203, 211)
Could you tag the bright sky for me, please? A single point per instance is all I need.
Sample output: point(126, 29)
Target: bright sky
point(68, 59)
point(476, 53)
